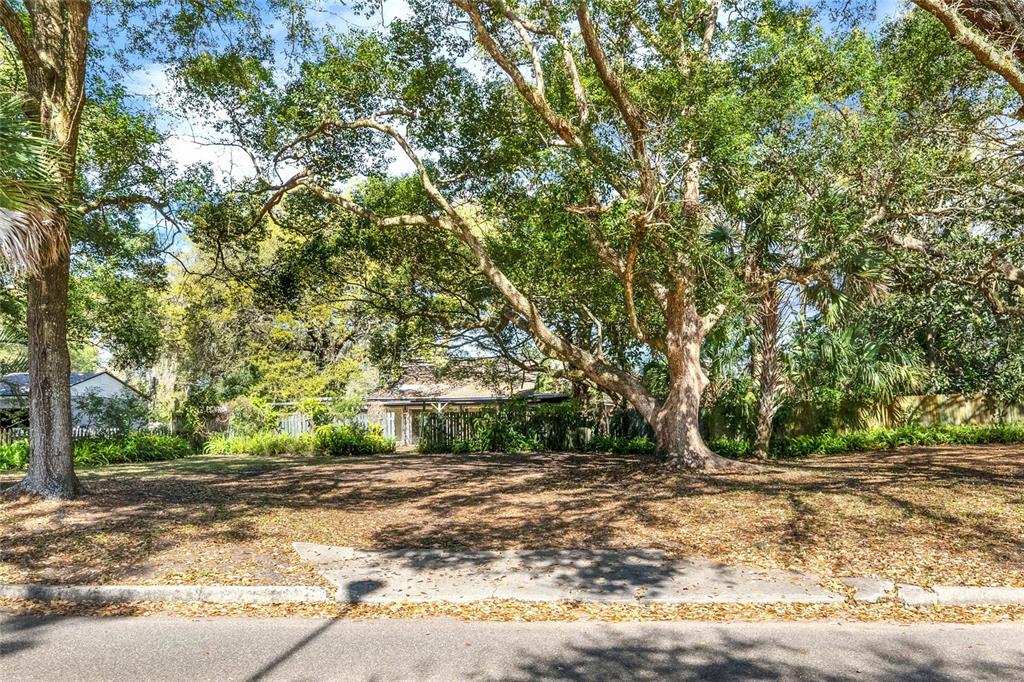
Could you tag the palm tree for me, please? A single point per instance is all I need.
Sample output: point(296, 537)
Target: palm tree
point(34, 245)
point(866, 371)
point(31, 235)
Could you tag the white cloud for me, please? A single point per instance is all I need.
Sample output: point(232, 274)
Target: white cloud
point(340, 15)
point(188, 141)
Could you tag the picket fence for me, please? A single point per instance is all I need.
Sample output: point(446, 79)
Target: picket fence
point(8, 436)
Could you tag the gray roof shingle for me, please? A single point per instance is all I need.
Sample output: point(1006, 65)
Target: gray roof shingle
point(17, 384)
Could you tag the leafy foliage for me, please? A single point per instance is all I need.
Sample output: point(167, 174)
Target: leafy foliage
point(123, 413)
point(333, 441)
point(350, 440)
point(519, 427)
point(830, 443)
point(101, 451)
point(262, 444)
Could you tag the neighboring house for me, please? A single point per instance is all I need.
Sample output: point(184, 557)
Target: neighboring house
point(421, 388)
point(14, 394)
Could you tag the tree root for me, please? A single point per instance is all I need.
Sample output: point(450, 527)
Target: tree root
point(32, 488)
point(713, 464)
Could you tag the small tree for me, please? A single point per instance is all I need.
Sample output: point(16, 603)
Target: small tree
point(122, 413)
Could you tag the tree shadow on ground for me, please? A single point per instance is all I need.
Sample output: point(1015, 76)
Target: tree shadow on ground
point(745, 656)
point(586, 651)
point(223, 513)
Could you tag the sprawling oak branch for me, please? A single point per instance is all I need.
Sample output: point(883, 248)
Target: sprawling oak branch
point(996, 267)
point(533, 95)
point(991, 30)
point(11, 23)
point(452, 221)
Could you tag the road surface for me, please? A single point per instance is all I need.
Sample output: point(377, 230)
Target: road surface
point(61, 648)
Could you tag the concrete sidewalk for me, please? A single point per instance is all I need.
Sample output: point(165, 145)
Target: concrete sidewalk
point(638, 576)
point(589, 575)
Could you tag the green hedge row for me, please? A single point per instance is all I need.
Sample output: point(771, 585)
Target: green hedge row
point(514, 427)
point(134, 447)
point(335, 441)
point(876, 439)
point(619, 445)
point(350, 440)
point(801, 446)
point(260, 444)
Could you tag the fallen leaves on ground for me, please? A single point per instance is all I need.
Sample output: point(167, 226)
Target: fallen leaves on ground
point(938, 515)
point(517, 611)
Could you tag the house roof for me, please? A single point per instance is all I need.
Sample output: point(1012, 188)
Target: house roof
point(465, 383)
point(17, 384)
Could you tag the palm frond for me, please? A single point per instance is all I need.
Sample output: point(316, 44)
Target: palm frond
point(32, 239)
point(33, 233)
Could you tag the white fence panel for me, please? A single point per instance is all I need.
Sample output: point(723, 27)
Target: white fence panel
point(296, 424)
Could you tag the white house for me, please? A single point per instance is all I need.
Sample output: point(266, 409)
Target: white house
point(14, 394)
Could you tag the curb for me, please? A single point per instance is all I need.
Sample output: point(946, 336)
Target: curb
point(953, 595)
point(868, 591)
point(229, 594)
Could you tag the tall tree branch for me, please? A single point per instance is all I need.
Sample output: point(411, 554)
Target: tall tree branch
point(985, 46)
point(11, 23)
point(607, 376)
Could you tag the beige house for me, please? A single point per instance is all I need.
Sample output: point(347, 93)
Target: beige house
point(423, 387)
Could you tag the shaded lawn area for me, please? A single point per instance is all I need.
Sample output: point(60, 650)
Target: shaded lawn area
point(919, 515)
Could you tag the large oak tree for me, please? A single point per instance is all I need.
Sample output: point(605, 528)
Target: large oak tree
point(566, 151)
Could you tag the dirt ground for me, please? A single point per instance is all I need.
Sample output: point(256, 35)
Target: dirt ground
point(920, 515)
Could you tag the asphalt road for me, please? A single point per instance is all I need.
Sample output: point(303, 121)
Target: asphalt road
point(41, 648)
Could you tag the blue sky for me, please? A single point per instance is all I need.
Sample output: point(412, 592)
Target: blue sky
point(193, 141)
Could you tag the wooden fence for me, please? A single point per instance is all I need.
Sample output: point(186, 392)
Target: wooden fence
point(926, 410)
point(494, 429)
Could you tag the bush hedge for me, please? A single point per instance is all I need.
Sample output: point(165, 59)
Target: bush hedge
point(830, 443)
point(336, 441)
point(14, 455)
point(638, 445)
point(514, 427)
point(351, 440)
point(261, 444)
point(99, 451)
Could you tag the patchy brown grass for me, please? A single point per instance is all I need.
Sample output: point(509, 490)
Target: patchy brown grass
point(919, 515)
point(508, 610)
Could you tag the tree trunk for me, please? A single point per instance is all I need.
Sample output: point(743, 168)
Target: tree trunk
point(677, 432)
point(51, 471)
point(53, 56)
point(676, 422)
point(766, 370)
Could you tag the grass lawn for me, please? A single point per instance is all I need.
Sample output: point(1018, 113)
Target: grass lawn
point(920, 515)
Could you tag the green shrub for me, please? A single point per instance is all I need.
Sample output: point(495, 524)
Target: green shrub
point(134, 447)
point(252, 416)
point(830, 443)
point(119, 413)
point(156, 447)
point(100, 451)
point(264, 444)
point(516, 426)
point(14, 455)
point(622, 446)
point(336, 441)
point(351, 440)
point(733, 449)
